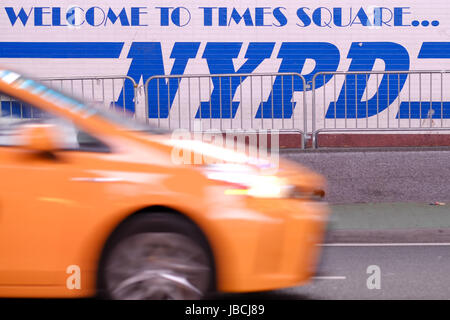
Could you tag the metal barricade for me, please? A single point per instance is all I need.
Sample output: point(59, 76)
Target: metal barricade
point(341, 102)
point(119, 92)
point(224, 102)
point(349, 102)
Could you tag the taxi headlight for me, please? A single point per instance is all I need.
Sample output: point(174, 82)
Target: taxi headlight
point(244, 180)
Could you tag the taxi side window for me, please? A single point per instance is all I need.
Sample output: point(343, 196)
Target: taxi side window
point(15, 113)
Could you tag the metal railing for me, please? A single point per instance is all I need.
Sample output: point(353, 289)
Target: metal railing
point(104, 91)
point(118, 92)
point(363, 102)
point(224, 102)
point(341, 102)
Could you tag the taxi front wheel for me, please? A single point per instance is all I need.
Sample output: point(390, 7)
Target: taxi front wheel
point(156, 256)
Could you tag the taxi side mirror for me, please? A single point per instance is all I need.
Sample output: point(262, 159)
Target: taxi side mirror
point(39, 138)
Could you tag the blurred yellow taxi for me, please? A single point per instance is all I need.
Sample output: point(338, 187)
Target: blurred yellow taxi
point(90, 204)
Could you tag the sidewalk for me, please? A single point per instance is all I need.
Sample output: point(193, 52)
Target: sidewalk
point(381, 176)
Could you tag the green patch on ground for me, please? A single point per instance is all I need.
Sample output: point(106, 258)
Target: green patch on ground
point(378, 216)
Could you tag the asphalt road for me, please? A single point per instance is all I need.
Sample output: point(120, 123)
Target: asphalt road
point(407, 271)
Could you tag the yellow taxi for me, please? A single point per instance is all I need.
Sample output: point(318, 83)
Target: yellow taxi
point(93, 205)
